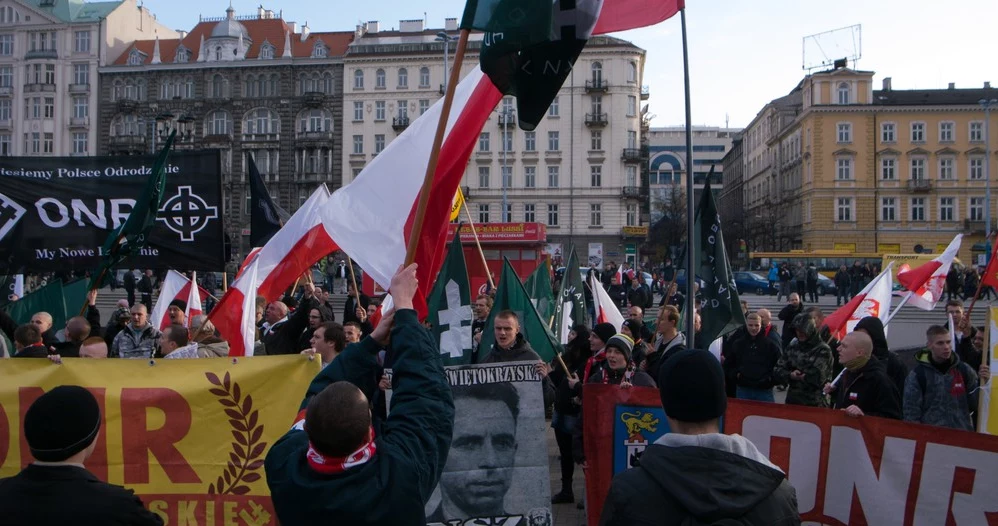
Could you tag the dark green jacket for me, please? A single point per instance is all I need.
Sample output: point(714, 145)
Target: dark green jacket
point(393, 487)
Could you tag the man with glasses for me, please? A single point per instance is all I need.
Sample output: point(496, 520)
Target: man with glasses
point(139, 338)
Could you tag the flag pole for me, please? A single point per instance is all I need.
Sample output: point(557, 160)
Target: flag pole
point(904, 300)
point(438, 140)
point(690, 212)
point(474, 232)
point(353, 278)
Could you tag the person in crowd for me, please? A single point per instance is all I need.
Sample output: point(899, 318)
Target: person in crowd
point(511, 346)
point(800, 280)
point(77, 330)
point(895, 368)
point(328, 341)
point(963, 333)
point(970, 281)
point(209, 344)
point(353, 331)
point(638, 314)
point(864, 388)
point(118, 322)
point(600, 334)
point(93, 347)
point(812, 283)
point(806, 366)
point(316, 317)
point(668, 342)
point(790, 311)
point(330, 272)
point(350, 309)
point(174, 343)
point(332, 467)
point(139, 338)
point(566, 411)
point(766, 318)
point(364, 317)
point(325, 298)
point(280, 332)
point(638, 294)
point(826, 336)
point(751, 363)
point(773, 277)
point(43, 321)
point(61, 429)
point(843, 285)
point(856, 274)
point(974, 355)
point(785, 276)
point(28, 342)
point(618, 370)
point(695, 474)
point(128, 282)
point(633, 329)
point(942, 390)
point(177, 313)
point(145, 290)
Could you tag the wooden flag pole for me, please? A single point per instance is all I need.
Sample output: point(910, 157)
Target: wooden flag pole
point(438, 140)
point(474, 232)
point(225, 281)
point(353, 278)
point(568, 373)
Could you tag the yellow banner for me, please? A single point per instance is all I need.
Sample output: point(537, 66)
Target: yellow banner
point(987, 420)
point(455, 207)
point(189, 436)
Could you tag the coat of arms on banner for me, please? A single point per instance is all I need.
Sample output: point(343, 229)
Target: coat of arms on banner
point(634, 428)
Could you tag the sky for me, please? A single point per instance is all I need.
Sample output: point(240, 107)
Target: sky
point(742, 54)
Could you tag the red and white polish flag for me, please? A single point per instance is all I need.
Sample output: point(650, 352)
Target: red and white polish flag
point(927, 281)
point(873, 300)
point(176, 287)
point(194, 307)
point(606, 309)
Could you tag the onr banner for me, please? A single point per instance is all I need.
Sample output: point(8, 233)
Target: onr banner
point(189, 436)
point(846, 470)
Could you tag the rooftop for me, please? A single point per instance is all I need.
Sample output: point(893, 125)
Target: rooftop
point(72, 11)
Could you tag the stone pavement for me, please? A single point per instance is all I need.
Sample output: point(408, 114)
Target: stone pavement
point(564, 514)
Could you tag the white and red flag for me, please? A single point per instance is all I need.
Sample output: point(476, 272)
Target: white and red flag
point(194, 293)
point(606, 309)
point(926, 282)
point(176, 286)
point(873, 300)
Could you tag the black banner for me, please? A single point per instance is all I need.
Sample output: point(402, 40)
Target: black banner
point(56, 212)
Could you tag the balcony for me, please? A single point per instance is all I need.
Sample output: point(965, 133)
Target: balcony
point(79, 88)
point(596, 120)
point(39, 87)
point(79, 122)
point(41, 53)
point(6, 124)
point(218, 138)
point(311, 175)
point(127, 105)
point(645, 92)
point(399, 124)
point(6, 91)
point(313, 99)
point(597, 86)
point(633, 192)
point(506, 120)
point(919, 185)
point(631, 155)
point(127, 142)
point(261, 137)
point(315, 138)
point(972, 226)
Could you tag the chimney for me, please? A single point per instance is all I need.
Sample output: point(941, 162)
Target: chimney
point(305, 32)
point(450, 24)
point(372, 26)
point(260, 11)
point(182, 33)
point(952, 85)
point(410, 26)
point(987, 84)
point(359, 31)
point(293, 26)
point(887, 83)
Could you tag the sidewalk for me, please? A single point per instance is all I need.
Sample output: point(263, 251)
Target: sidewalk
point(564, 514)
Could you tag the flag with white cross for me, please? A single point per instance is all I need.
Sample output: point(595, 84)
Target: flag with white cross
point(449, 306)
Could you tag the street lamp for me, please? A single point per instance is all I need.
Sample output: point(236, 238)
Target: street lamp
point(442, 36)
point(987, 104)
point(506, 115)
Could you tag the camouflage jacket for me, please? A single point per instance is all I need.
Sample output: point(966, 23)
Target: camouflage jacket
point(813, 358)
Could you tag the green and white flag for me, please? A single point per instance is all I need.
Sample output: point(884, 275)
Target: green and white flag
point(720, 309)
point(510, 295)
point(449, 306)
point(538, 287)
point(570, 309)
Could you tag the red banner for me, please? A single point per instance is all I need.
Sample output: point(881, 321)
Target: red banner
point(846, 470)
point(501, 233)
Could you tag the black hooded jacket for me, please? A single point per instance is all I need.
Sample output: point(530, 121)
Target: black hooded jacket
point(870, 389)
point(896, 370)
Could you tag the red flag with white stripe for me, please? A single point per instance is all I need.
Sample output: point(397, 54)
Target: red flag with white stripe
point(176, 286)
point(193, 299)
point(606, 309)
point(873, 300)
point(927, 281)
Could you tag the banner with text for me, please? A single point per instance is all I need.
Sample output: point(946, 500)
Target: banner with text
point(56, 212)
point(189, 436)
point(846, 470)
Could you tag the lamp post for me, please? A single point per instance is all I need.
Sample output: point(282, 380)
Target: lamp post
point(506, 114)
point(987, 104)
point(442, 36)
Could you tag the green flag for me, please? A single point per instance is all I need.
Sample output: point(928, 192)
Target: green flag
point(572, 298)
point(538, 287)
point(74, 294)
point(720, 309)
point(527, 21)
point(132, 235)
point(46, 299)
point(510, 295)
point(449, 306)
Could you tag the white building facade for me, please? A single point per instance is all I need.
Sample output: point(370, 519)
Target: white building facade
point(667, 165)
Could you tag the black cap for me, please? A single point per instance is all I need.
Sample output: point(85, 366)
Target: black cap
point(180, 304)
point(691, 384)
point(604, 331)
point(61, 423)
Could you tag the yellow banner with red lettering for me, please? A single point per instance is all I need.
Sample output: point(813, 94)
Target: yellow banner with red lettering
point(189, 436)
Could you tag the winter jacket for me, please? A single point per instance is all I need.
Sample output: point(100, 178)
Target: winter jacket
point(896, 370)
point(128, 344)
point(843, 281)
point(521, 351)
point(663, 351)
point(32, 351)
point(640, 296)
point(787, 314)
point(392, 488)
point(213, 347)
point(752, 360)
point(305, 338)
point(870, 389)
point(69, 495)
point(813, 358)
point(282, 338)
point(701, 479)
point(938, 398)
point(350, 307)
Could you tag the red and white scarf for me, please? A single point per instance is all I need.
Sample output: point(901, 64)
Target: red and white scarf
point(333, 465)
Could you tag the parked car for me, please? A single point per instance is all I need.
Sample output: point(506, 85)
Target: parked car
point(826, 285)
point(750, 282)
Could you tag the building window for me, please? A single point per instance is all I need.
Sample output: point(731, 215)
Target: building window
point(507, 143)
point(947, 208)
point(530, 177)
point(379, 110)
point(918, 209)
point(50, 73)
point(632, 139)
point(529, 215)
point(5, 145)
point(319, 50)
point(7, 76)
point(81, 73)
point(843, 93)
point(403, 78)
point(596, 175)
point(184, 55)
point(261, 121)
point(843, 169)
point(844, 132)
point(888, 209)
point(49, 140)
point(79, 143)
point(946, 168)
point(888, 167)
point(976, 131)
point(596, 140)
point(219, 87)
point(379, 143)
point(81, 42)
point(552, 215)
point(218, 122)
point(6, 110)
point(315, 120)
point(597, 71)
point(8, 15)
point(946, 131)
point(358, 111)
point(632, 106)
point(507, 176)
point(976, 172)
point(632, 72)
point(49, 107)
point(484, 144)
point(379, 79)
point(6, 45)
point(424, 77)
point(843, 209)
point(81, 108)
point(553, 108)
point(918, 168)
point(554, 144)
point(358, 144)
point(530, 141)
point(483, 213)
point(358, 79)
point(266, 51)
point(403, 109)
point(976, 209)
point(888, 132)
point(631, 215)
point(918, 132)
point(32, 142)
point(595, 214)
point(424, 104)
point(553, 172)
point(483, 176)
point(631, 175)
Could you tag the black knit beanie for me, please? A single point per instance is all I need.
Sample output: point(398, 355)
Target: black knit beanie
point(61, 423)
point(180, 304)
point(604, 331)
point(691, 385)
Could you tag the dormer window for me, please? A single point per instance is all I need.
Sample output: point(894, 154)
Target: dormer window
point(135, 58)
point(183, 55)
point(319, 50)
point(843, 93)
point(218, 53)
point(266, 51)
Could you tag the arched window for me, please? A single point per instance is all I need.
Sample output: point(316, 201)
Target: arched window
point(129, 90)
point(135, 58)
point(8, 15)
point(140, 89)
point(266, 51)
point(327, 81)
point(218, 53)
point(261, 121)
point(358, 79)
point(189, 88)
point(274, 86)
point(183, 55)
point(843, 93)
point(379, 79)
point(315, 120)
point(219, 86)
point(319, 50)
point(632, 72)
point(217, 123)
point(597, 70)
point(125, 125)
point(249, 87)
point(403, 78)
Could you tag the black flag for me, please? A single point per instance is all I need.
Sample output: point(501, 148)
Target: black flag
point(266, 218)
point(720, 309)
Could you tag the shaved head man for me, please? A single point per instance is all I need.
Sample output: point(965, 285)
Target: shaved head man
point(864, 388)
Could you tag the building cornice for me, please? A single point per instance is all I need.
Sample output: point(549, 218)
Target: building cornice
point(200, 66)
